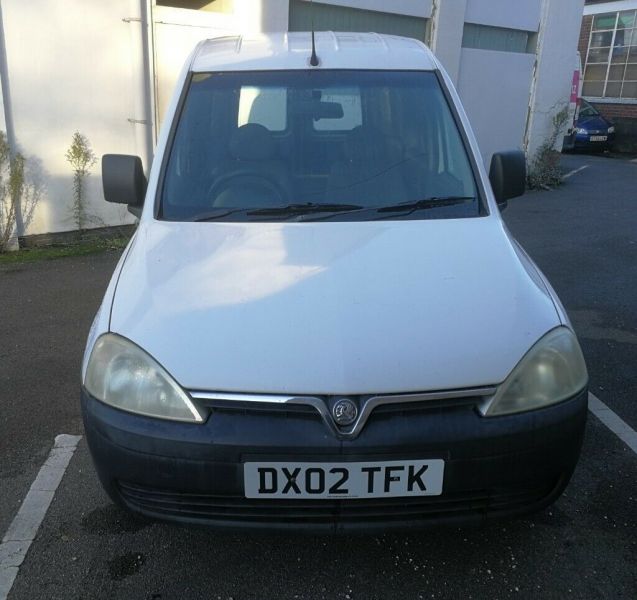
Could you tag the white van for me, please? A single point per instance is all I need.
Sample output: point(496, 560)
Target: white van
point(322, 321)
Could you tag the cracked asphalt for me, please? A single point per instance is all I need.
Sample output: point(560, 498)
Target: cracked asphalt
point(583, 236)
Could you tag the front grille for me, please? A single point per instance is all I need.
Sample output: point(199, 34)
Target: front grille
point(271, 410)
point(438, 406)
point(207, 507)
point(320, 407)
point(380, 412)
point(309, 412)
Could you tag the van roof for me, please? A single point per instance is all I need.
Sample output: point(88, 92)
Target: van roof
point(336, 50)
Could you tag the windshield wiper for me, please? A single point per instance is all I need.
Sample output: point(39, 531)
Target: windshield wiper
point(291, 210)
point(425, 204)
point(220, 213)
point(294, 210)
point(301, 209)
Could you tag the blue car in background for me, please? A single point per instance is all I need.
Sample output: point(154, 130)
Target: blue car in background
point(592, 131)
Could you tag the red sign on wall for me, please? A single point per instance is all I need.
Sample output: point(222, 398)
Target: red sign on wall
point(575, 87)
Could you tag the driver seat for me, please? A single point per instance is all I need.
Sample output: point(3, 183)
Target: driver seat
point(253, 176)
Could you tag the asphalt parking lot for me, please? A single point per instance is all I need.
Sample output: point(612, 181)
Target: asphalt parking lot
point(583, 236)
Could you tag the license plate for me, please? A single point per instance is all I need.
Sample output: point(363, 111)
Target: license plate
point(290, 480)
point(599, 138)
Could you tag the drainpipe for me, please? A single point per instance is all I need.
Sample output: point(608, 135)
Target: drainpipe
point(146, 13)
point(8, 118)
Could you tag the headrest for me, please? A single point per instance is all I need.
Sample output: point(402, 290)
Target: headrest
point(252, 142)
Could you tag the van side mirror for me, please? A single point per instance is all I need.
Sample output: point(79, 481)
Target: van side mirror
point(508, 176)
point(124, 181)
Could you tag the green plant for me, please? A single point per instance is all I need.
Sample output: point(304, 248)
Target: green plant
point(12, 187)
point(81, 157)
point(545, 171)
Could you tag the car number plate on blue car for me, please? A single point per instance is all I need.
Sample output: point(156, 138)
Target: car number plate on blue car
point(370, 479)
point(598, 138)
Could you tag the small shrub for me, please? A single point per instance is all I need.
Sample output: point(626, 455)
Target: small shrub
point(545, 171)
point(11, 191)
point(81, 157)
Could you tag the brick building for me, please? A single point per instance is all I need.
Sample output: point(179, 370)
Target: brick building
point(608, 49)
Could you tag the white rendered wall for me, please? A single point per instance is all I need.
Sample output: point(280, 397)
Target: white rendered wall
point(495, 87)
point(177, 31)
point(447, 31)
point(508, 107)
point(262, 15)
point(73, 65)
point(557, 51)
point(77, 65)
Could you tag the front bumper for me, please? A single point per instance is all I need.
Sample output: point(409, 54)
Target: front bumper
point(584, 141)
point(494, 467)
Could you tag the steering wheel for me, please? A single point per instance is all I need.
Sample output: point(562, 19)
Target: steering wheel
point(246, 190)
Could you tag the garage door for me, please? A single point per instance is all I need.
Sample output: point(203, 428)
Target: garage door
point(339, 18)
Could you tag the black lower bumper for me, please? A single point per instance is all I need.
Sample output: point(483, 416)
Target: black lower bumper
point(494, 467)
point(583, 142)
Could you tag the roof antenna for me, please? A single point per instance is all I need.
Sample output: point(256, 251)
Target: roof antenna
point(314, 59)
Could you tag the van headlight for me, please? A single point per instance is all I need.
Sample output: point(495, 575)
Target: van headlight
point(121, 374)
point(551, 371)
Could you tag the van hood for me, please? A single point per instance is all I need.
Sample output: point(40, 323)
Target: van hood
point(331, 308)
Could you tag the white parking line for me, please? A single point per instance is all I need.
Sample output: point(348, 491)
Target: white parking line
point(613, 421)
point(25, 524)
point(571, 173)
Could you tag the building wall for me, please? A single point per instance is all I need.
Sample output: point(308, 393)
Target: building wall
point(176, 32)
point(535, 88)
point(447, 32)
point(556, 62)
point(497, 121)
point(584, 36)
point(613, 111)
point(74, 66)
point(77, 65)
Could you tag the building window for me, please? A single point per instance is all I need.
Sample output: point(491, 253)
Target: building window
point(486, 37)
point(611, 62)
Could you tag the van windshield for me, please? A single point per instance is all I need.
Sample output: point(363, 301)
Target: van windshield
point(317, 145)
